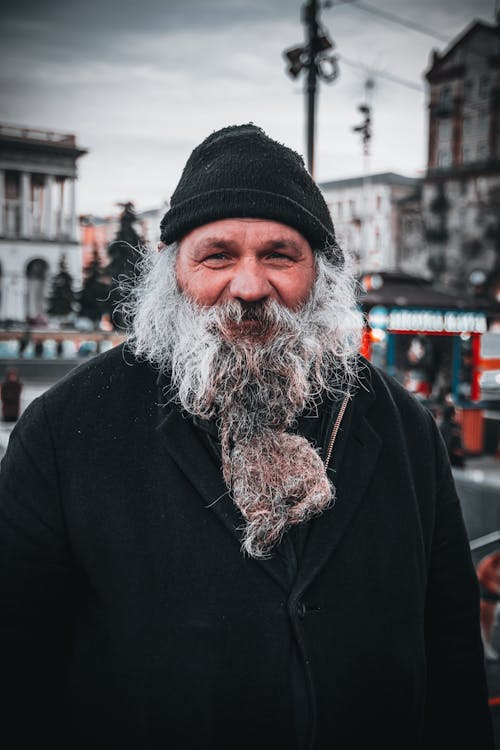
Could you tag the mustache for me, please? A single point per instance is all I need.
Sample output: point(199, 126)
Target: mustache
point(255, 311)
point(267, 318)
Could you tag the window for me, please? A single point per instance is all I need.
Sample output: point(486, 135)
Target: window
point(467, 125)
point(12, 185)
point(482, 151)
point(483, 123)
point(468, 88)
point(444, 157)
point(446, 97)
point(484, 86)
point(444, 130)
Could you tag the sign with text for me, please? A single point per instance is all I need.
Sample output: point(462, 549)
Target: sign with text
point(428, 321)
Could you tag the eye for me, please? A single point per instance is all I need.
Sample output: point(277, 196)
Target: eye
point(280, 258)
point(216, 260)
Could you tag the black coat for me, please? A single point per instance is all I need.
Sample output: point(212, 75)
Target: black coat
point(131, 619)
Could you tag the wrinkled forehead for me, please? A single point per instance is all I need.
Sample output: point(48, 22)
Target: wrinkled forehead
point(228, 230)
point(245, 230)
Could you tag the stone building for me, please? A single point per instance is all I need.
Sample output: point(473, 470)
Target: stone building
point(366, 214)
point(461, 190)
point(38, 222)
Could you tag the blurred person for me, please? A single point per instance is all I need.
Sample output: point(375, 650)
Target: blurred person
point(24, 342)
point(39, 348)
point(488, 573)
point(10, 395)
point(194, 525)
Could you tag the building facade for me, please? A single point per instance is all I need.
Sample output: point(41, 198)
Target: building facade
point(461, 190)
point(366, 213)
point(38, 220)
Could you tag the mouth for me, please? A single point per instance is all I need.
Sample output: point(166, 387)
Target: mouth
point(253, 324)
point(250, 326)
point(246, 329)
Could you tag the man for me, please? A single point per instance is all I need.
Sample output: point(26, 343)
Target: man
point(233, 532)
point(10, 395)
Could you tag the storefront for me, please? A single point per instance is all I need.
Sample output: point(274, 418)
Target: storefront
point(430, 341)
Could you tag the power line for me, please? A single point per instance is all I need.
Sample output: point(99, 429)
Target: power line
point(382, 74)
point(407, 23)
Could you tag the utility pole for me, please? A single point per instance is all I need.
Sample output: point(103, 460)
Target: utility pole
point(315, 59)
point(311, 23)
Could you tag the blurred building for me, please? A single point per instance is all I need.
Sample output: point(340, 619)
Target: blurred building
point(461, 190)
point(367, 213)
point(38, 222)
point(412, 257)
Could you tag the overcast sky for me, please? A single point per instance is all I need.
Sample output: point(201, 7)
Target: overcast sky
point(141, 83)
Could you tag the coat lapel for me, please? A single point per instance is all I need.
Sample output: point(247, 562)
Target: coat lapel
point(353, 462)
point(184, 444)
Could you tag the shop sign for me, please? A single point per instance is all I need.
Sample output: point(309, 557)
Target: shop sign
point(436, 321)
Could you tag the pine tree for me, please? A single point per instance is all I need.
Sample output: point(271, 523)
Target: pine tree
point(123, 254)
point(94, 293)
point(62, 296)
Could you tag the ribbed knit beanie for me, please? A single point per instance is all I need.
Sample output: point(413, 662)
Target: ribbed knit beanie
point(239, 172)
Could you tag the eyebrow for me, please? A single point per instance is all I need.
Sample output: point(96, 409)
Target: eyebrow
point(283, 243)
point(219, 243)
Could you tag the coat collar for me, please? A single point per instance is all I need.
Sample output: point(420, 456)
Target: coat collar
point(353, 462)
point(191, 454)
point(358, 445)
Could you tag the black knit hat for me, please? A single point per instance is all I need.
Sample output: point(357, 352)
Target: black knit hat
point(239, 172)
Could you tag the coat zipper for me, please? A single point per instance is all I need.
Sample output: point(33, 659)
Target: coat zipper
point(335, 430)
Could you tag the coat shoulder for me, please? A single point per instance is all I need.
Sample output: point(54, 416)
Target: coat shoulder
point(109, 382)
point(389, 393)
point(116, 366)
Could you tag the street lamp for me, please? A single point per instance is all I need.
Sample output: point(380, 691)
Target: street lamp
point(314, 57)
point(365, 127)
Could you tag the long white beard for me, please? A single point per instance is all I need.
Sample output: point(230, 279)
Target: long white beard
point(255, 383)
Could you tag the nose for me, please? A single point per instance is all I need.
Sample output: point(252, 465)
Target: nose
point(249, 283)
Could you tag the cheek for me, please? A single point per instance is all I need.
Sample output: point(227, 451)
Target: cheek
point(296, 289)
point(198, 284)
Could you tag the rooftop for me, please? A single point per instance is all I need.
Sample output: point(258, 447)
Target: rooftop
point(20, 132)
point(382, 178)
point(29, 138)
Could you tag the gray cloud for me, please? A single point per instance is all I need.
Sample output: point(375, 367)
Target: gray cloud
point(141, 83)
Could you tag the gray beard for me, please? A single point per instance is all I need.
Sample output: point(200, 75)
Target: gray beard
point(254, 380)
point(256, 384)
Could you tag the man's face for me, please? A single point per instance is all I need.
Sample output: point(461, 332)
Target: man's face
point(245, 260)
